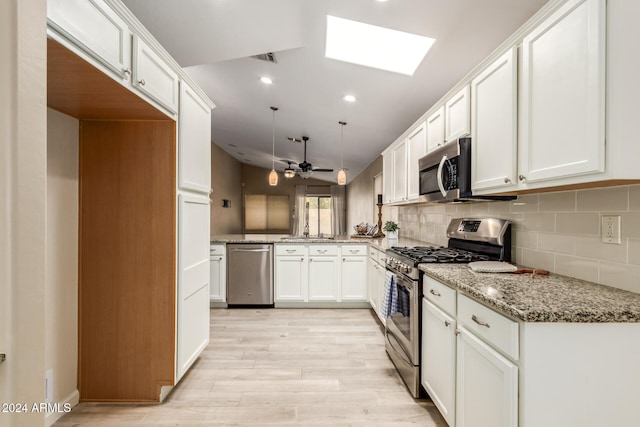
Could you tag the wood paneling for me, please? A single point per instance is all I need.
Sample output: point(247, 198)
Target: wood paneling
point(127, 259)
point(77, 88)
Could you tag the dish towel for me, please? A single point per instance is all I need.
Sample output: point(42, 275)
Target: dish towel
point(390, 300)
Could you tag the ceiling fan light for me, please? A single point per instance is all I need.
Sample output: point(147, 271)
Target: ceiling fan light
point(273, 177)
point(289, 173)
point(305, 174)
point(342, 177)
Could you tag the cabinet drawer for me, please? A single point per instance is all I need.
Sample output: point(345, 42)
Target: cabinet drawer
point(354, 250)
point(217, 250)
point(290, 250)
point(376, 255)
point(440, 294)
point(315, 250)
point(494, 328)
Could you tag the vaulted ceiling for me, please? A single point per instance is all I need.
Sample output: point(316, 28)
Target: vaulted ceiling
point(215, 39)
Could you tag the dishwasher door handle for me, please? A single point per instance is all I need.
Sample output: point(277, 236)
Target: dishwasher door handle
point(251, 250)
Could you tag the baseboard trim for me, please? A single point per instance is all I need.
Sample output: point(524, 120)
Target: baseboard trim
point(72, 400)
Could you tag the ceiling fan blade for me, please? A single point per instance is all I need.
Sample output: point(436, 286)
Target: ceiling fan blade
point(292, 139)
point(322, 170)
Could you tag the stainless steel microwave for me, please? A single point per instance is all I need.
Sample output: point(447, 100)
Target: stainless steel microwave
point(445, 175)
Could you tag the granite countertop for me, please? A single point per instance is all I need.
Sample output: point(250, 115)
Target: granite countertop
point(551, 298)
point(382, 244)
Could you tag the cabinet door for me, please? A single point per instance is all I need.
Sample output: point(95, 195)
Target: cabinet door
point(563, 94)
point(96, 29)
point(486, 385)
point(324, 278)
point(435, 129)
point(193, 280)
point(387, 177)
point(194, 142)
point(372, 282)
point(416, 147)
point(457, 115)
point(400, 172)
point(153, 76)
point(494, 124)
point(354, 278)
point(291, 278)
point(218, 283)
point(438, 366)
point(381, 278)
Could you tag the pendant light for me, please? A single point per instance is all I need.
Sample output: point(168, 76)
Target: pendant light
point(273, 175)
point(342, 175)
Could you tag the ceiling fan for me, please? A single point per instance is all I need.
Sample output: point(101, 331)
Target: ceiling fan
point(305, 168)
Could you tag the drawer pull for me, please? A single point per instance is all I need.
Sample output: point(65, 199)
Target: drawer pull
point(456, 332)
point(447, 323)
point(322, 251)
point(290, 251)
point(127, 71)
point(142, 82)
point(433, 292)
point(479, 322)
point(354, 251)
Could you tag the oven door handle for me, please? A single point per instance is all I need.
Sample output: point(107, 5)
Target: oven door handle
point(402, 353)
point(439, 176)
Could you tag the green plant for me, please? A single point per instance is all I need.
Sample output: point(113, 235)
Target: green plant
point(390, 226)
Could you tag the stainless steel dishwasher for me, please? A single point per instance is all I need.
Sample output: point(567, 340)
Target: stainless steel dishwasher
point(250, 274)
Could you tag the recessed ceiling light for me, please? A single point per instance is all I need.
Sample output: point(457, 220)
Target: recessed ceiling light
point(349, 98)
point(266, 80)
point(373, 46)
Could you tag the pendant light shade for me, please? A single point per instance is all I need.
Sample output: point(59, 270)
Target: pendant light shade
point(273, 175)
point(342, 175)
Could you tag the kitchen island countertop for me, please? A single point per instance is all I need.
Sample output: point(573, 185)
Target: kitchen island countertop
point(382, 244)
point(539, 298)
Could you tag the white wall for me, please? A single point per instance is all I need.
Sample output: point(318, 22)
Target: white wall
point(61, 286)
point(558, 231)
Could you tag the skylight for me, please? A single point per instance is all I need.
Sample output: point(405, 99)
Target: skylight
point(373, 46)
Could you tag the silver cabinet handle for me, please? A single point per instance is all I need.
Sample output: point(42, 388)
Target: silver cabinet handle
point(432, 292)
point(290, 251)
point(322, 251)
point(127, 71)
point(142, 82)
point(301, 259)
point(457, 332)
point(506, 180)
point(479, 322)
point(522, 177)
point(354, 251)
point(447, 323)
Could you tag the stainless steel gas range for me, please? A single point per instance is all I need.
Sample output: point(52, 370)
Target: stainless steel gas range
point(470, 239)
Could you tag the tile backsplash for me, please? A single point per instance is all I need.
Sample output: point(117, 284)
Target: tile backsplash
point(559, 231)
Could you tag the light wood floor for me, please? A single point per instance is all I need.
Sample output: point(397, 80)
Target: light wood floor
point(289, 367)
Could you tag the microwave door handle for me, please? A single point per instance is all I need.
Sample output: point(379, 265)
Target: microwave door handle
point(440, 185)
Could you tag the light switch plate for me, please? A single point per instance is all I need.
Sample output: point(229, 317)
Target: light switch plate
point(611, 229)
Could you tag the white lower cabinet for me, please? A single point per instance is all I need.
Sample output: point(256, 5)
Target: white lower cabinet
point(291, 273)
point(486, 386)
point(353, 278)
point(218, 271)
point(324, 278)
point(375, 279)
point(438, 374)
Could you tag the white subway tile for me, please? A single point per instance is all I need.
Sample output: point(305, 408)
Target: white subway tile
point(557, 243)
point(537, 259)
point(524, 239)
point(630, 224)
point(581, 268)
point(603, 199)
point(526, 203)
point(623, 276)
point(633, 256)
point(564, 201)
point(634, 198)
point(578, 223)
point(539, 221)
point(592, 247)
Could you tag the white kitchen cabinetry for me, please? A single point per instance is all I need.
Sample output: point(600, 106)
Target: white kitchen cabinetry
point(194, 141)
point(494, 124)
point(562, 98)
point(324, 273)
point(387, 176)
point(416, 148)
point(218, 273)
point(97, 30)
point(399, 153)
point(153, 76)
point(291, 273)
point(353, 271)
point(457, 115)
point(438, 373)
point(375, 279)
point(486, 387)
point(193, 280)
point(435, 129)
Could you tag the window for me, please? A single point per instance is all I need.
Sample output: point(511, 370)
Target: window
point(266, 213)
point(319, 211)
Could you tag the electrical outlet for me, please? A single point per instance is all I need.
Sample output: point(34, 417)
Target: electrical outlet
point(611, 229)
point(48, 386)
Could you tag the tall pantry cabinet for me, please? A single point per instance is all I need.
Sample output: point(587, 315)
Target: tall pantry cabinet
point(144, 184)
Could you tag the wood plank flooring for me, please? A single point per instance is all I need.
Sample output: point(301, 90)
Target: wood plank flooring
point(281, 367)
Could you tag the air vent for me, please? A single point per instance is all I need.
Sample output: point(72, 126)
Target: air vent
point(269, 57)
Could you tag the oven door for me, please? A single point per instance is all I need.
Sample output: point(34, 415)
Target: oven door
point(403, 326)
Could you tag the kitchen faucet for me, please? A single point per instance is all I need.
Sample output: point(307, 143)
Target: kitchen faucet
point(305, 233)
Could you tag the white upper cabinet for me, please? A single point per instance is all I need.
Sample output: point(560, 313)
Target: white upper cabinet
point(563, 82)
point(400, 172)
point(387, 177)
point(457, 116)
point(153, 76)
point(96, 29)
point(416, 148)
point(494, 124)
point(435, 129)
point(194, 141)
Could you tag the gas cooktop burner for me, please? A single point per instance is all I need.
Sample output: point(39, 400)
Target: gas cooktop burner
point(432, 254)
